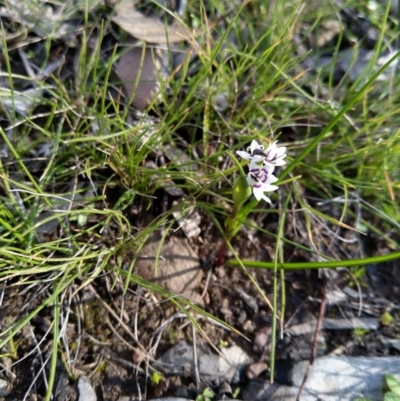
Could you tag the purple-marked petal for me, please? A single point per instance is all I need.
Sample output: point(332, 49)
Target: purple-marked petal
point(270, 156)
point(261, 168)
point(250, 180)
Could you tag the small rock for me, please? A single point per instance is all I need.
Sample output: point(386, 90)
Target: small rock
point(259, 390)
point(249, 326)
point(220, 271)
point(255, 369)
point(224, 389)
point(250, 302)
point(4, 388)
point(242, 317)
point(232, 364)
point(170, 399)
point(177, 360)
point(344, 377)
point(226, 309)
point(331, 379)
point(212, 368)
point(63, 389)
point(336, 297)
point(301, 348)
point(327, 31)
point(388, 342)
point(188, 222)
point(86, 392)
point(261, 339)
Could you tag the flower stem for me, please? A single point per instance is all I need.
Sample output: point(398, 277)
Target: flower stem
point(229, 233)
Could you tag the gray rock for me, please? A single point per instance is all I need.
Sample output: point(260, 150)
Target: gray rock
point(337, 378)
point(353, 63)
point(177, 360)
point(171, 399)
point(258, 390)
point(228, 367)
point(86, 392)
point(232, 364)
point(3, 388)
point(127, 398)
point(63, 390)
point(388, 342)
point(255, 369)
point(175, 399)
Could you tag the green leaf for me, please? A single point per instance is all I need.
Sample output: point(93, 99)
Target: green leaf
point(222, 344)
point(82, 219)
point(241, 191)
point(243, 212)
point(386, 319)
point(233, 225)
point(208, 393)
point(393, 384)
point(390, 396)
point(235, 394)
point(156, 378)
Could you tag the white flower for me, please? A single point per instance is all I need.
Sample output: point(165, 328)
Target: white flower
point(274, 156)
point(271, 156)
point(256, 152)
point(260, 179)
point(262, 165)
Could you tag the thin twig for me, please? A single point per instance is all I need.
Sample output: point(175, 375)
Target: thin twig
point(195, 360)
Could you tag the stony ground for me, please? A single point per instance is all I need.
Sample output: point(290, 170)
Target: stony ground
point(128, 343)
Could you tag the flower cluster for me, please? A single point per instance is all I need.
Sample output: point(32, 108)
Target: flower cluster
point(262, 165)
